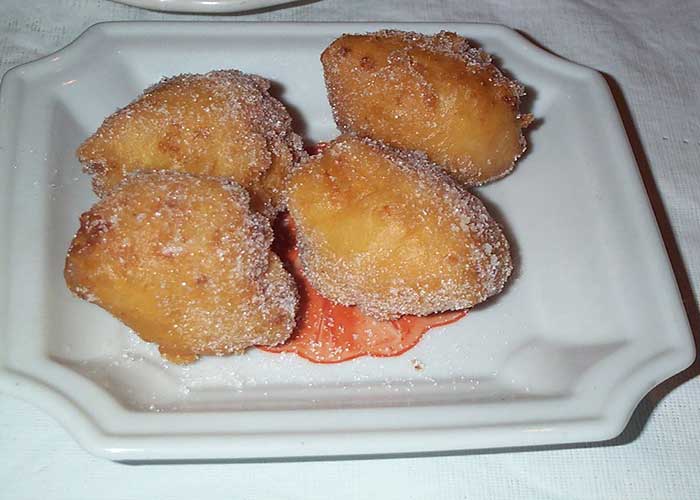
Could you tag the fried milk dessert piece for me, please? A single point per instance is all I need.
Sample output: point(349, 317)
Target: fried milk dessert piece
point(435, 94)
point(184, 262)
point(390, 232)
point(223, 123)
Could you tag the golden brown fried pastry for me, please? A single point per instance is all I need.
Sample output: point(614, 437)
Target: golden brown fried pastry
point(388, 231)
point(182, 261)
point(435, 94)
point(223, 123)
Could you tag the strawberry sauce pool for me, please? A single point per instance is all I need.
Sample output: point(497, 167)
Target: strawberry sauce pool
point(331, 333)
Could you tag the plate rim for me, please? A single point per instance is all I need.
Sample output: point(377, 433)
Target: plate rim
point(129, 447)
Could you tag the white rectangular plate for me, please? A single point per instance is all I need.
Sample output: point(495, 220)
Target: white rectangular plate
point(590, 322)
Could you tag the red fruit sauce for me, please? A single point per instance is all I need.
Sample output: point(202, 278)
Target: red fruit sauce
point(330, 333)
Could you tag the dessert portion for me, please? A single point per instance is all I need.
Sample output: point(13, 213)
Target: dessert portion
point(382, 239)
point(388, 231)
point(431, 93)
point(184, 262)
point(223, 123)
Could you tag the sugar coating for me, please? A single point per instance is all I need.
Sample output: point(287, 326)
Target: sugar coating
point(222, 123)
point(434, 93)
point(457, 47)
point(387, 230)
point(182, 260)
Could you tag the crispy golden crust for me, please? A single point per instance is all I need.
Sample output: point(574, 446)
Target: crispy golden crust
point(388, 231)
point(223, 123)
point(430, 93)
point(182, 261)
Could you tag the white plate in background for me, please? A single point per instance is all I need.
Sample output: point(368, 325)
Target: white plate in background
point(204, 6)
point(591, 321)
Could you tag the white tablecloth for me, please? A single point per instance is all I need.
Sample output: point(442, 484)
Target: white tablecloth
point(649, 51)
